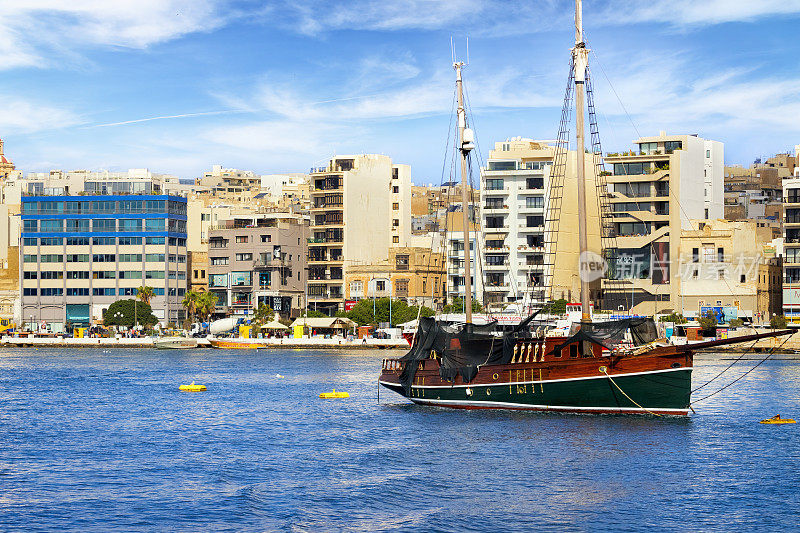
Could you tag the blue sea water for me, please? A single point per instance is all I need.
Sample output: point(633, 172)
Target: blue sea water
point(95, 440)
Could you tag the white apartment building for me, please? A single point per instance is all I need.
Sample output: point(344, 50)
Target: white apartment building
point(360, 207)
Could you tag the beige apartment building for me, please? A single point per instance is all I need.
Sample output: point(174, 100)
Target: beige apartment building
point(414, 275)
point(729, 264)
point(258, 260)
point(360, 209)
point(657, 189)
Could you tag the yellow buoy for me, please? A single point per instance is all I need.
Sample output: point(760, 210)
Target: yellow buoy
point(334, 394)
point(192, 387)
point(777, 420)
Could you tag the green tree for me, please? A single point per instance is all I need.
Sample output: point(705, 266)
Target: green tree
point(735, 322)
point(262, 315)
point(673, 317)
point(362, 312)
point(556, 307)
point(457, 306)
point(145, 294)
point(707, 322)
point(191, 301)
point(313, 313)
point(777, 322)
point(122, 313)
point(206, 305)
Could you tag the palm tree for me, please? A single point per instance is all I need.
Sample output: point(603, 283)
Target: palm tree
point(206, 304)
point(145, 294)
point(191, 302)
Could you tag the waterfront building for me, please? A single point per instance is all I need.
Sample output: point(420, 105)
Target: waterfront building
point(82, 253)
point(791, 250)
point(514, 207)
point(415, 275)
point(360, 208)
point(259, 259)
point(729, 264)
point(656, 190)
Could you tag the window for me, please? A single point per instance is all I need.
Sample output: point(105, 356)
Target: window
point(721, 274)
point(401, 262)
point(218, 280)
point(52, 291)
point(129, 241)
point(104, 274)
point(29, 275)
point(241, 238)
point(104, 241)
point(130, 274)
point(154, 274)
point(494, 184)
point(51, 225)
point(395, 239)
point(128, 291)
point(30, 225)
point(52, 274)
point(534, 221)
point(101, 291)
point(708, 253)
point(181, 259)
point(78, 291)
point(380, 285)
point(241, 279)
point(534, 201)
point(534, 183)
point(154, 224)
point(742, 278)
point(695, 255)
point(78, 258)
point(219, 260)
point(77, 241)
point(29, 292)
point(502, 165)
point(51, 258)
point(202, 273)
point(30, 241)
point(395, 222)
point(77, 224)
point(395, 189)
point(708, 153)
point(648, 148)
point(154, 258)
point(103, 258)
point(401, 287)
point(130, 258)
point(395, 206)
point(77, 274)
point(51, 241)
point(154, 240)
point(670, 146)
point(244, 257)
point(266, 238)
point(104, 224)
point(721, 255)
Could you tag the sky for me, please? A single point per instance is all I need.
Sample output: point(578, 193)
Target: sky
point(177, 86)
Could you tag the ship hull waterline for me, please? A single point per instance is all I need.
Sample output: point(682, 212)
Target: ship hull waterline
point(663, 392)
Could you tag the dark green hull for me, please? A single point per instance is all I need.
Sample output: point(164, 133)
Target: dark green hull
point(657, 392)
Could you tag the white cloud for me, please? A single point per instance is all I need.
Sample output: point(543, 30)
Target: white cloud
point(33, 31)
point(693, 12)
point(18, 115)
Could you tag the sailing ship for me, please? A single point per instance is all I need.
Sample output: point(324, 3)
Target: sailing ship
point(616, 366)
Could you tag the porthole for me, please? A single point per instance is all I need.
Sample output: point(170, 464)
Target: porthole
point(676, 365)
point(495, 376)
point(488, 392)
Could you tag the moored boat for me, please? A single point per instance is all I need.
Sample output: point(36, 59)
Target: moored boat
point(175, 343)
point(237, 343)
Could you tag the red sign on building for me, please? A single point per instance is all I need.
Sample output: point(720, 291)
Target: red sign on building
point(349, 304)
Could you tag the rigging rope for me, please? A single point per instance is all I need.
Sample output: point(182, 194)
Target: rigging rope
point(729, 366)
point(770, 354)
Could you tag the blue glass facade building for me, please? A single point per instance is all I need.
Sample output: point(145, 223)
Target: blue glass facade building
point(81, 253)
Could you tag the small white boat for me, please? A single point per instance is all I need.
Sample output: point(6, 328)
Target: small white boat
point(175, 343)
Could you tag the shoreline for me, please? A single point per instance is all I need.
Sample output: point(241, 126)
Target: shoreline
point(148, 342)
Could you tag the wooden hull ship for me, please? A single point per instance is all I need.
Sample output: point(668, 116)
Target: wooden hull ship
point(541, 377)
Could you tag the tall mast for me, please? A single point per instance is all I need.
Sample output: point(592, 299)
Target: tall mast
point(465, 138)
point(580, 56)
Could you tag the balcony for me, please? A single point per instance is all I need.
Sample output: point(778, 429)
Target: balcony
point(496, 229)
point(495, 209)
point(261, 264)
point(530, 248)
point(524, 228)
point(496, 266)
point(496, 288)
